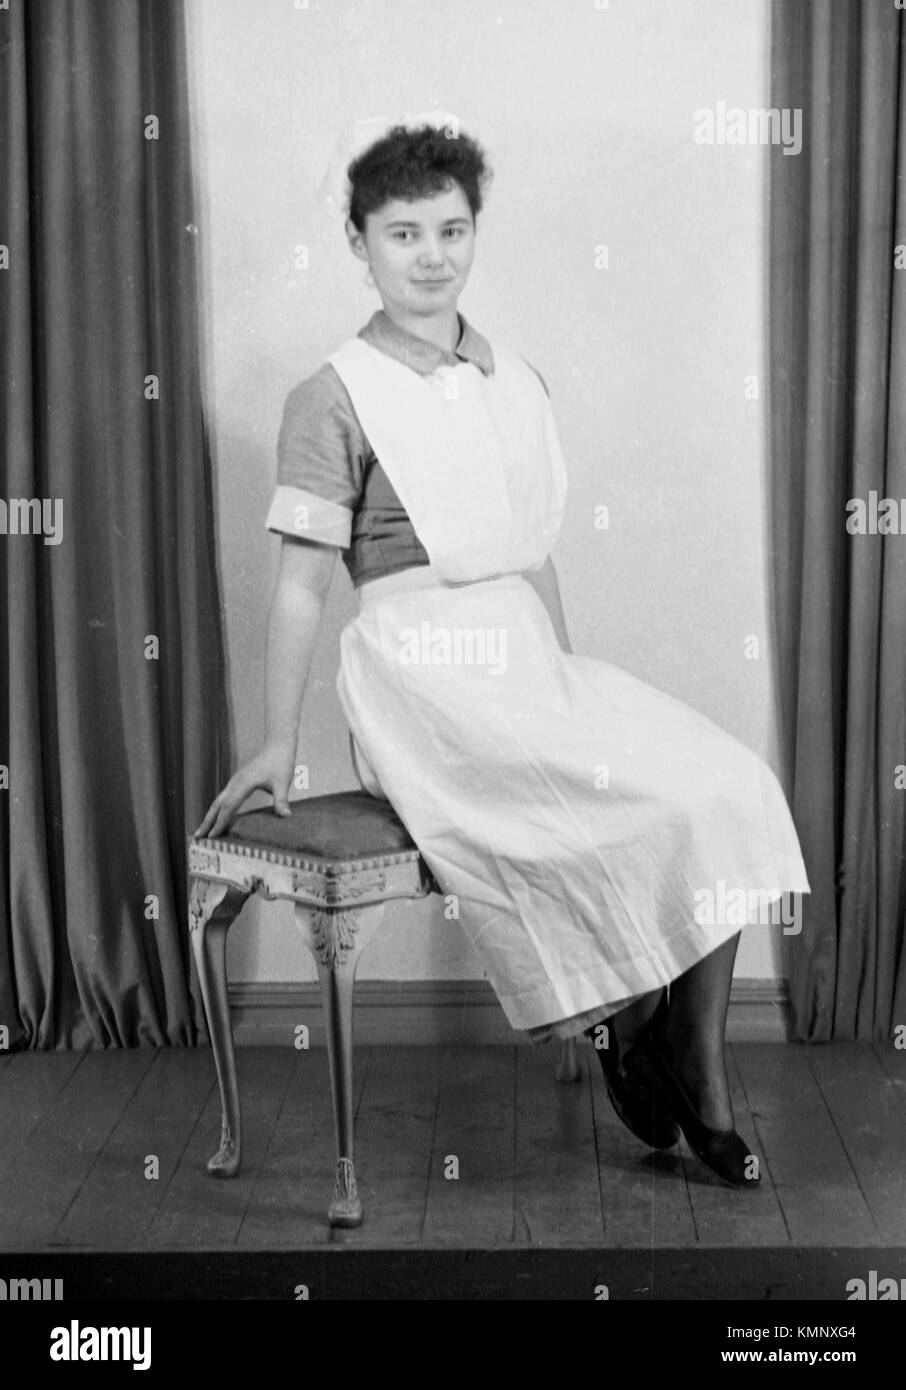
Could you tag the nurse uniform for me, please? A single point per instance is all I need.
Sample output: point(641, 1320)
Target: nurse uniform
point(600, 836)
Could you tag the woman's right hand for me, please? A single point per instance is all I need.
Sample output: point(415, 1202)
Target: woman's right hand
point(271, 770)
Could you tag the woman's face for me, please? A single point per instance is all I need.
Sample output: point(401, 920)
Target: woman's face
point(420, 252)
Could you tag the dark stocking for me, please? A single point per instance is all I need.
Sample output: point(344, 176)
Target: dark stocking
point(693, 1033)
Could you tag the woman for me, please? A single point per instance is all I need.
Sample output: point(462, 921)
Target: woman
point(576, 814)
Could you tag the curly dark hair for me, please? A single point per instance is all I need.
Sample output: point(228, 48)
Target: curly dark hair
point(410, 163)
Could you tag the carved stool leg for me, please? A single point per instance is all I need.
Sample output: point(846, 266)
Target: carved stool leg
point(336, 940)
point(212, 909)
point(567, 1068)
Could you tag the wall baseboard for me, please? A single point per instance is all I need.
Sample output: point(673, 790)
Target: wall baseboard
point(432, 1012)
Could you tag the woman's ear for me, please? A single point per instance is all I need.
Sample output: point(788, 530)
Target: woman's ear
point(356, 240)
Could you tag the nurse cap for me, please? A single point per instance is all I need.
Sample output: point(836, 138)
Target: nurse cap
point(354, 140)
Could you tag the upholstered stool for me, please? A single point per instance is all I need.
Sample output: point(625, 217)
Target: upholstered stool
point(340, 859)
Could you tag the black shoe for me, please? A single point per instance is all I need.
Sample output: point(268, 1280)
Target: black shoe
point(635, 1102)
point(721, 1150)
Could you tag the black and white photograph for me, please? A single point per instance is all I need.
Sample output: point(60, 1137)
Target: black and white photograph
point(453, 647)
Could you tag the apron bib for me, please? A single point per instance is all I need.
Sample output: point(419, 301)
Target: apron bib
point(474, 460)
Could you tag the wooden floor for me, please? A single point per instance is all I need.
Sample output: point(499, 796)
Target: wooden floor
point(540, 1164)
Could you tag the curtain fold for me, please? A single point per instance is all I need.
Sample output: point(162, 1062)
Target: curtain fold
point(112, 703)
point(838, 435)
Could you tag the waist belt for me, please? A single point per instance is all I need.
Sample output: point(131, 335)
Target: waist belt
point(422, 577)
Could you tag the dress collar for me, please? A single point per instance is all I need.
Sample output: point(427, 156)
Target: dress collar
point(381, 332)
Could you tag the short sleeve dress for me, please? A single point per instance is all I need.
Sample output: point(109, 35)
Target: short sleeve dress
point(598, 836)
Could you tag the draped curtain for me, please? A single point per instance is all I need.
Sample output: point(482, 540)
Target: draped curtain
point(112, 690)
point(838, 419)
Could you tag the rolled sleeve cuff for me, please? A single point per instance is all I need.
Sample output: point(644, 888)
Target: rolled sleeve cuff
point(295, 512)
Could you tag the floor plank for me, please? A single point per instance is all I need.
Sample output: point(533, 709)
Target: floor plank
point(118, 1202)
point(30, 1086)
point(393, 1143)
point(476, 1127)
point(45, 1174)
point(816, 1186)
point(893, 1060)
point(197, 1209)
point(295, 1181)
point(541, 1165)
point(644, 1193)
point(558, 1196)
point(869, 1111)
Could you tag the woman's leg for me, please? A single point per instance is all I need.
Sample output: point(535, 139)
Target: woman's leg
point(693, 1033)
point(629, 1022)
point(635, 1103)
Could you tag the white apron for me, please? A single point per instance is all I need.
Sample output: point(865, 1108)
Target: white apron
point(577, 814)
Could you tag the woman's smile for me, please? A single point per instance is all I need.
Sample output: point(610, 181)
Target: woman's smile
point(420, 252)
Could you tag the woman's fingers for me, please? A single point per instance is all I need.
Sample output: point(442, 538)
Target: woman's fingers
point(209, 818)
point(259, 773)
point(225, 813)
point(279, 790)
point(223, 808)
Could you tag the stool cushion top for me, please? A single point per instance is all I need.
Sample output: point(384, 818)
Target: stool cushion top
point(344, 825)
